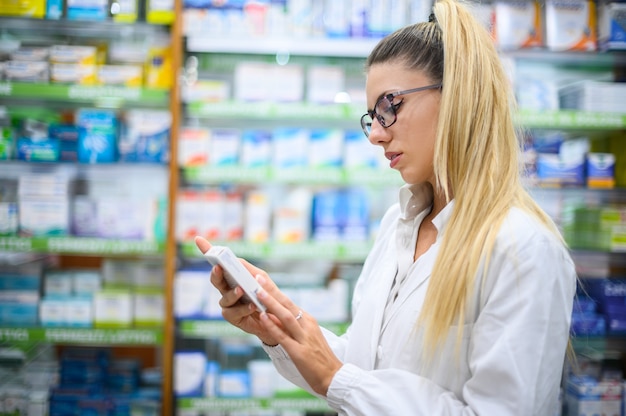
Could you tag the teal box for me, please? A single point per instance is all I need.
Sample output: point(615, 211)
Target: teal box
point(38, 150)
point(19, 282)
point(54, 9)
point(18, 314)
point(97, 136)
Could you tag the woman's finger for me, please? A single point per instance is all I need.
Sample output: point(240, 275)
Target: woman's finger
point(283, 313)
point(202, 244)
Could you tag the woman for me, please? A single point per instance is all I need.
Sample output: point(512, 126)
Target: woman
point(463, 306)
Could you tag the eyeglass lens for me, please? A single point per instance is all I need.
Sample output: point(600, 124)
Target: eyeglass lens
point(385, 113)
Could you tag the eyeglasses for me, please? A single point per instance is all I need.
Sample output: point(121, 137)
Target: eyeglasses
point(386, 111)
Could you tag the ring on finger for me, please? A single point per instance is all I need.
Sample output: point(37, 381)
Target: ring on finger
point(299, 315)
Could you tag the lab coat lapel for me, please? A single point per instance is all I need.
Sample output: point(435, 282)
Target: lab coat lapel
point(418, 275)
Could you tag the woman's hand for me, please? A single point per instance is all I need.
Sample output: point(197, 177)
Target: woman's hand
point(300, 335)
point(244, 316)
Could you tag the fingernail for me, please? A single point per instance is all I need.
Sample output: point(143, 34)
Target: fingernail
point(260, 279)
point(264, 316)
point(261, 294)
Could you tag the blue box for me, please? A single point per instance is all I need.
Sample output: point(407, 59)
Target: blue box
point(38, 150)
point(553, 171)
point(97, 137)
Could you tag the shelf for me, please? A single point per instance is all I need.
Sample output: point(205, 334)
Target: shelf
point(82, 336)
point(571, 119)
point(100, 95)
point(217, 329)
point(276, 111)
point(577, 58)
point(345, 48)
point(339, 251)
point(231, 110)
point(205, 175)
point(79, 28)
point(295, 404)
point(79, 245)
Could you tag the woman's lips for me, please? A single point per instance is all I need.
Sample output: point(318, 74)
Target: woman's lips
point(394, 158)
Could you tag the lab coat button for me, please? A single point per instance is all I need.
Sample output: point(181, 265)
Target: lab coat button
point(379, 352)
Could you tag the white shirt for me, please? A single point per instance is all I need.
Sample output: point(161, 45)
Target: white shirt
point(510, 358)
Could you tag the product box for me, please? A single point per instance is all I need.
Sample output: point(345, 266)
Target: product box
point(38, 150)
point(148, 308)
point(192, 291)
point(124, 75)
point(81, 55)
point(193, 146)
point(158, 72)
point(518, 24)
point(189, 373)
point(160, 12)
point(23, 8)
point(586, 396)
point(571, 25)
point(325, 148)
point(612, 26)
point(9, 219)
point(52, 312)
point(27, 71)
point(44, 216)
point(67, 135)
point(553, 171)
point(113, 309)
point(600, 170)
point(78, 74)
point(18, 314)
point(232, 218)
point(86, 282)
point(256, 147)
point(87, 9)
point(224, 147)
point(290, 147)
point(97, 139)
point(257, 217)
point(145, 136)
point(57, 283)
point(125, 12)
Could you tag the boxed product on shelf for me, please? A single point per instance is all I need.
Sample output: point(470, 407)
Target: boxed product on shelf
point(571, 25)
point(158, 72)
point(87, 9)
point(97, 139)
point(74, 54)
point(189, 373)
point(27, 71)
point(256, 146)
point(71, 73)
point(588, 396)
point(194, 296)
point(145, 136)
point(25, 8)
point(224, 147)
point(232, 218)
point(126, 75)
point(200, 213)
point(67, 135)
point(612, 26)
point(291, 218)
point(552, 170)
point(594, 96)
point(193, 146)
point(518, 24)
point(113, 308)
point(30, 54)
point(257, 217)
point(359, 153)
point(600, 170)
point(325, 148)
point(324, 82)
point(148, 308)
point(290, 147)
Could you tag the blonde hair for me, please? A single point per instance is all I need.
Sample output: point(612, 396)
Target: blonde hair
point(477, 153)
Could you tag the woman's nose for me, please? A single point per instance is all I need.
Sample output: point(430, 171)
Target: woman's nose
point(378, 134)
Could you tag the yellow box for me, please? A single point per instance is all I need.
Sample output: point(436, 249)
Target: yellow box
point(28, 8)
point(159, 67)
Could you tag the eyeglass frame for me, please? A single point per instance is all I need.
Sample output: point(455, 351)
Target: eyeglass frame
point(367, 127)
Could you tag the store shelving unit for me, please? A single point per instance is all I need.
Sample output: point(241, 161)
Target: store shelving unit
point(155, 344)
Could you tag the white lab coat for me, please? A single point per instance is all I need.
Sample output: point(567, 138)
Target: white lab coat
point(511, 356)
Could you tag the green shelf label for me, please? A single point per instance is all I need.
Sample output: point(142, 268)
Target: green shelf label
point(106, 94)
point(219, 328)
point(77, 245)
point(83, 336)
point(571, 119)
point(296, 403)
